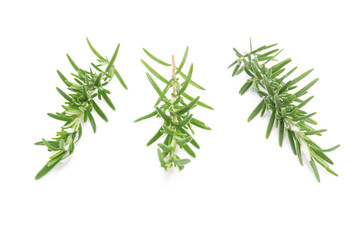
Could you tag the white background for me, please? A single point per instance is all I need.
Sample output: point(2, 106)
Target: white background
point(240, 186)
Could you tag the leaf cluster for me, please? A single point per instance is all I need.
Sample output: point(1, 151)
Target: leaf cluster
point(284, 101)
point(79, 105)
point(174, 108)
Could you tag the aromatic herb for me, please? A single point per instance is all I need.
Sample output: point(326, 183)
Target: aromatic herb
point(284, 105)
point(79, 105)
point(175, 112)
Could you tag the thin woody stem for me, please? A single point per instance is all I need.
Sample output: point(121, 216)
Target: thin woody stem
point(173, 78)
point(173, 65)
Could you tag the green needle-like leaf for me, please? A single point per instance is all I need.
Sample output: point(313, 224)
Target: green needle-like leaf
point(44, 171)
point(281, 133)
point(285, 87)
point(232, 64)
point(305, 117)
point(280, 65)
point(323, 156)
point(189, 150)
point(315, 132)
point(157, 135)
point(182, 61)
point(235, 70)
point(304, 89)
point(99, 111)
point(167, 130)
point(199, 103)
point(199, 124)
point(84, 92)
point(263, 48)
point(152, 114)
point(331, 149)
point(193, 142)
point(237, 52)
point(270, 125)
point(92, 121)
point(157, 89)
point(256, 71)
point(98, 80)
point(61, 117)
point(191, 81)
point(182, 162)
point(63, 78)
point(302, 76)
point(72, 63)
point(305, 102)
point(57, 157)
point(49, 145)
point(185, 121)
point(163, 115)
point(316, 173)
point(156, 74)
point(94, 51)
point(256, 111)
point(55, 144)
point(186, 83)
point(161, 157)
point(268, 87)
point(64, 94)
point(267, 53)
point(188, 107)
point(107, 100)
point(156, 59)
point(117, 74)
point(298, 151)
point(112, 60)
point(166, 89)
point(164, 147)
point(198, 121)
point(291, 141)
point(287, 74)
point(245, 87)
point(184, 140)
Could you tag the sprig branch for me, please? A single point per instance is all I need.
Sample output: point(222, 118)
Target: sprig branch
point(87, 85)
point(175, 112)
point(285, 107)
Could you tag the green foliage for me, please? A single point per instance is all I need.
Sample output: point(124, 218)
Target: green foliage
point(79, 105)
point(283, 105)
point(174, 109)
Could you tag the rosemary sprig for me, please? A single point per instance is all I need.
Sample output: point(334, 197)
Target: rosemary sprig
point(175, 112)
point(87, 85)
point(285, 106)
